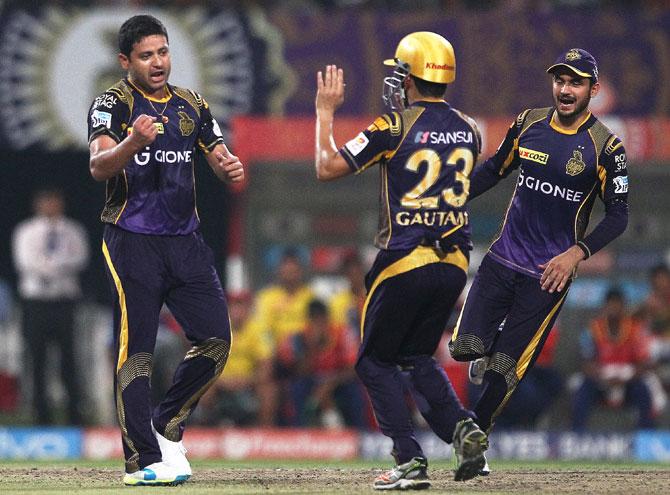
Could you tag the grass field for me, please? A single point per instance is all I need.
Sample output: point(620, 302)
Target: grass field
point(227, 477)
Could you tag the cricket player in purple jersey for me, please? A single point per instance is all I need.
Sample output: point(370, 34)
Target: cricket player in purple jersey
point(425, 152)
point(143, 133)
point(566, 159)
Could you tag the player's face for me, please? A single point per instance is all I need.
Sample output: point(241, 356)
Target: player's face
point(149, 64)
point(572, 94)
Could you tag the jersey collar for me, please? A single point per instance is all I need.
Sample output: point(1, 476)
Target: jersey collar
point(157, 100)
point(584, 124)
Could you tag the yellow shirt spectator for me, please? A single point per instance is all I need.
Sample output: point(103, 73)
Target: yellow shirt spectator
point(281, 312)
point(252, 344)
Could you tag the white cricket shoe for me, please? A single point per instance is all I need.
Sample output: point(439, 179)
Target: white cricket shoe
point(156, 474)
point(173, 453)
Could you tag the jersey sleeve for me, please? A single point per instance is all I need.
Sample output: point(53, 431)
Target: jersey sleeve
point(613, 177)
point(374, 144)
point(210, 133)
point(498, 166)
point(108, 116)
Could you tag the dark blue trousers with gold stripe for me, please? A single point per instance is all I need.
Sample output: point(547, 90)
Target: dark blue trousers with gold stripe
point(502, 296)
point(410, 296)
point(145, 272)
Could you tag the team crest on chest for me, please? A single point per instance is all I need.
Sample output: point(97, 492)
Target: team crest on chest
point(575, 165)
point(186, 124)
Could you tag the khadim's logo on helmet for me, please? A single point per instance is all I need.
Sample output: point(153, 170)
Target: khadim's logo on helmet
point(429, 56)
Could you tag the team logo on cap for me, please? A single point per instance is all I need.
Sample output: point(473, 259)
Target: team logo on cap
point(573, 55)
point(575, 165)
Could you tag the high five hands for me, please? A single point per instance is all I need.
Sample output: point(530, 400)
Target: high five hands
point(330, 90)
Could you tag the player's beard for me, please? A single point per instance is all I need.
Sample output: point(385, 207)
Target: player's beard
point(579, 107)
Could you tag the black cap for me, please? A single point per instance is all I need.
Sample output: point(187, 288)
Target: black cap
point(578, 61)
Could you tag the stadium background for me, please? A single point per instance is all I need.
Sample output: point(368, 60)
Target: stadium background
point(255, 62)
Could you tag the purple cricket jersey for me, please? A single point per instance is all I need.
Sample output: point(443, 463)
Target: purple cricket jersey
point(561, 174)
point(425, 155)
point(155, 193)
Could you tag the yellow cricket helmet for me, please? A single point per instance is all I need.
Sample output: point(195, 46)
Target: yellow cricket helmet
point(429, 56)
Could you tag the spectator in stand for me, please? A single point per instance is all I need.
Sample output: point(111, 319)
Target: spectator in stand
point(655, 312)
point(50, 250)
point(246, 394)
point(317, 366)
point(281, 308)
point(536, 393)
point(615, 353)
point(346, 307)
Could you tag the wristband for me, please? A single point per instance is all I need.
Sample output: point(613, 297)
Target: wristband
point(585, 249)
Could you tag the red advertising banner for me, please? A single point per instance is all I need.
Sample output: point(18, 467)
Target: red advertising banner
point(292, 139)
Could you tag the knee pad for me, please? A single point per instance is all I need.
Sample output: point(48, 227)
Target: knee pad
point(136, 366)
point(504, 365)
point(215, 349)
point(466, 347)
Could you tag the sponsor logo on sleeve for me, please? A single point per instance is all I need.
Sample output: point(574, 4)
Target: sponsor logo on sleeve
point(533, 156)
point(106, 100)
point(99, 118)
point(358, 144)
point(620, 162)
point(620, 184)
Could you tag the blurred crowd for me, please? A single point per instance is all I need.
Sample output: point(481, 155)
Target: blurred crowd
point(294, 347)
point(293, 357)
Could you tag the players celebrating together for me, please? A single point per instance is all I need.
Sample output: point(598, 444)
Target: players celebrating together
point(153, 249)
point(143, 133)
point(425, 149)
point(566, 159)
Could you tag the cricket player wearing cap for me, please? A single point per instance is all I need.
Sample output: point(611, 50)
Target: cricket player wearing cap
point(566, 158)
point(425, 150)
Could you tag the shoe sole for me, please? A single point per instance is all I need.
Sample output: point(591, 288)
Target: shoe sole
point(474, 446)
point(175, 482)
point(405, 484)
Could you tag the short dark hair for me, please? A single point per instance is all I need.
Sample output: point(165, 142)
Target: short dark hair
point(427, 88)
point(137, 27)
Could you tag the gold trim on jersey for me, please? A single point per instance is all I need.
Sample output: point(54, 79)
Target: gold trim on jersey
point(611, 147)
point(193, 98)
point(383, 237)
point(532, 116)
point(116, 198)
point(124, 93)
point(580, 227)
point(125, 201)
point(559, 129)
point(419, 257)
point(164, 99)
point(123, 330)
point(473, 125)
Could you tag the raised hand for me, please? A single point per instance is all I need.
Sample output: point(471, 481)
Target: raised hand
point(144, 131)
point(330, 89)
